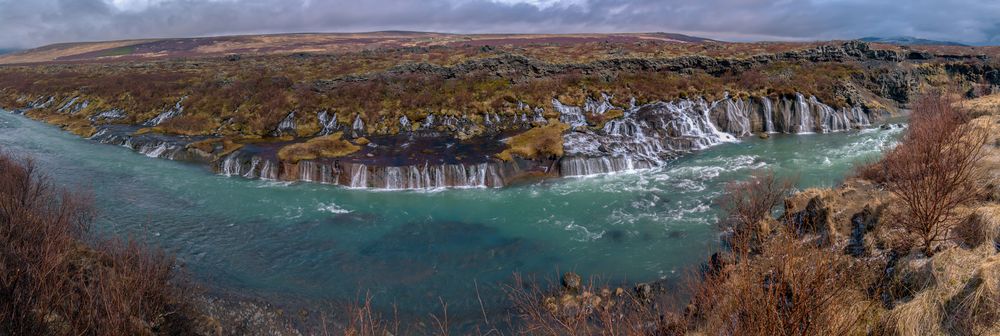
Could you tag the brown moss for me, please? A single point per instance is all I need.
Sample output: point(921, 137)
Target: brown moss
point(329, 146)
point(211, 145)
point(537, 143)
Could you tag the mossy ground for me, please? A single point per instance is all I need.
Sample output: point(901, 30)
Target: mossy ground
point(330, 146)
point(537, 143)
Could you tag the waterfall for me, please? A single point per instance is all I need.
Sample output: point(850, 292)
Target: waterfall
point(570, 115)
point(359, 125)
point(327, 123)
point(768, 112)
point(583, 166)
point(231, 165)
point(269, 171)
point(647, 136)
point(286, 125)
point(68, 104)
point(166, 115)
point(859, 117)
point(112, 114)
point(308, 171)
point(598, 107)
point(806, 124)
point(359, 176)
point(254, 162)
point(155, 152)
point(737, 117)
point(404, 124)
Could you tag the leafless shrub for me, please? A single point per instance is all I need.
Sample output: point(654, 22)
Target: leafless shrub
point(364, 320)
point(747, 205)
point(934, 169)
point(52, 284)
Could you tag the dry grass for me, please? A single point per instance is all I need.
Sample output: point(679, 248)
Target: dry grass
point(537, 143)
point(955, 292)
point(982, 226)
point(987, 105)
point(330, 146)
point(791, 288)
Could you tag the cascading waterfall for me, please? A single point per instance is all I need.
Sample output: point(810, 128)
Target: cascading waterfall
point(231, 165)
point(269, 171)
point(645, 136)
point(254, 162)
point(286, 125)
point(768, 112)
point(738, 117)
point(327, 122)
point(359, 176)
point(570, 115)
point(155, 152)
point(359, 125)
point(649, 135)
point(806, 124)
point(175, 111)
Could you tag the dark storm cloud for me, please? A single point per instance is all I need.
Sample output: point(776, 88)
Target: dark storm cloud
point(27, 23)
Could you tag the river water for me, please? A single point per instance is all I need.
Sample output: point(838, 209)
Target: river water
point(312, 244)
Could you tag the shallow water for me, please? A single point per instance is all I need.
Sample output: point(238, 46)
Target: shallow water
point(316, 243)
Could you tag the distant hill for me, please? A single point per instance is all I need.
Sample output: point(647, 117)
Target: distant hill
point(909, 40)
point(7, 51)
point(306, 43)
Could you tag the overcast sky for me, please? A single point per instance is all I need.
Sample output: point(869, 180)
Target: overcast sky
point(32, 23)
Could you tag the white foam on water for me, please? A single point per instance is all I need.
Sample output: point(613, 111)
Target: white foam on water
point(333, 208)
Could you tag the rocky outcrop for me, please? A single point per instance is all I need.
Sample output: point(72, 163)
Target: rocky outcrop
point(626, 138)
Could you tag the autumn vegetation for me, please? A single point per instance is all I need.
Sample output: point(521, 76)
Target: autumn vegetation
point(537, 143)
point(910, 247)
point(53, 283)
point(329, 146)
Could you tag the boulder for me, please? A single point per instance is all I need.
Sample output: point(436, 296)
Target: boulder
point(861, 223)
point(572, 282)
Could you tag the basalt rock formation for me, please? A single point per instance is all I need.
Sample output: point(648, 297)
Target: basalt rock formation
point(617, 120)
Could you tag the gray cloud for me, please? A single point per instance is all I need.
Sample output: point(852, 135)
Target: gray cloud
point(32, 23)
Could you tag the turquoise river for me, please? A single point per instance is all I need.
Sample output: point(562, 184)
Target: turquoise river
point(314, 244)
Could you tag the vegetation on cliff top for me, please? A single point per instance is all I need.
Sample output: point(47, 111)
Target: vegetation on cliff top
point(250, 95)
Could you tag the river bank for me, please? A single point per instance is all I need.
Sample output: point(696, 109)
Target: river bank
point(316, 244)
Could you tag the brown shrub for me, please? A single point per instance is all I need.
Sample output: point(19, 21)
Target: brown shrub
point(747, 206)
point(791, 288)
point(589, 310)
point(52, 284)
point(934, 169)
